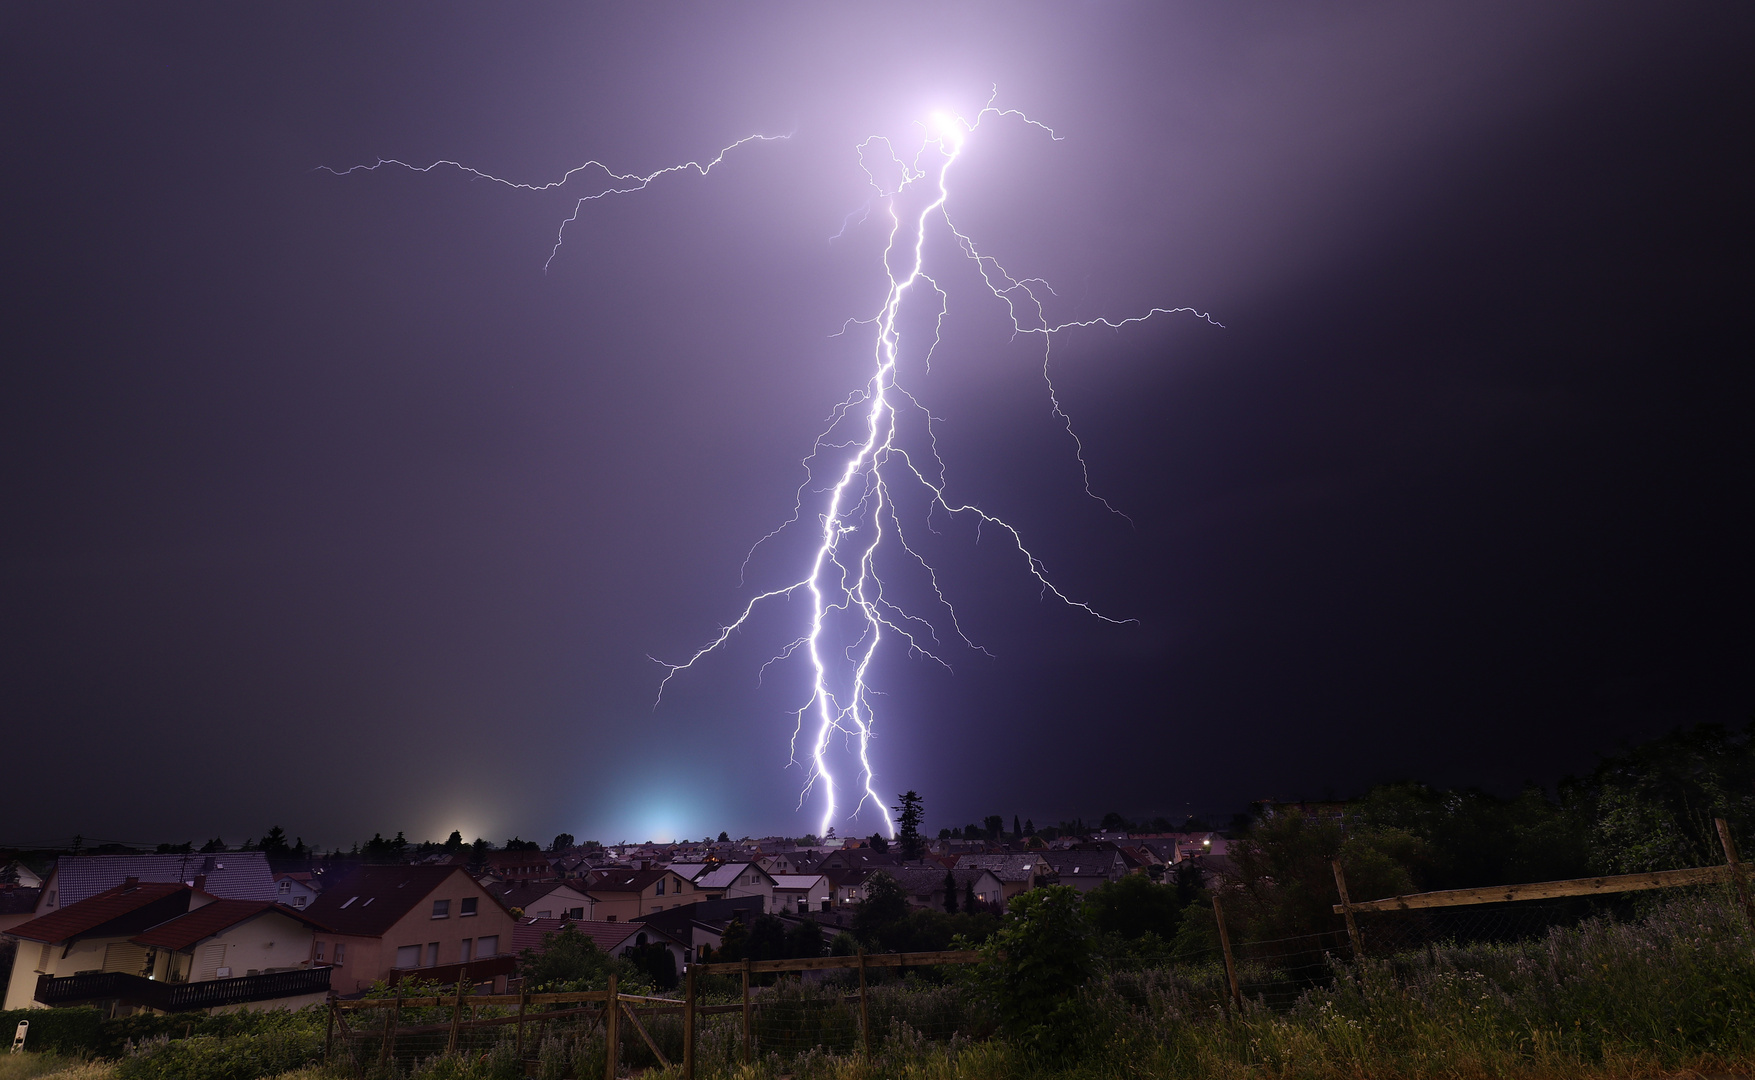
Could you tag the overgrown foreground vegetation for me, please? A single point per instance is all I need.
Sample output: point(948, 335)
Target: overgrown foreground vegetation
point(1661, 995)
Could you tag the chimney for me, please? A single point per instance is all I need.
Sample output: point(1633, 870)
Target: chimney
point(130, 883)
point(200, 882)
point(645, 864)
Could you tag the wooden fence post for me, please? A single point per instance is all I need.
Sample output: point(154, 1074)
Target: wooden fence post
point(864, 1008)
point(1347, 910)
point(329, 1030)
point(388, 1050)
point(523, 1002)
point(689, 1023)
point(1230, 961)
point(612, 1031)
point(749, 1029)
point(1735, 868)
point(456, 1016)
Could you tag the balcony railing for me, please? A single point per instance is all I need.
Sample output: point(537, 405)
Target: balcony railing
point(179, 997)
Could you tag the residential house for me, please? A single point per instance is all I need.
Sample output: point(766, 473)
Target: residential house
point(17, 906)
point(383, 920)
point(519, 866)
point(925, 885)
point(619, 895)
point(727, 881)
point(614, 938)
point(544, 899)
point(847, 887)
point(297, 890)
point(702, 924)
point(802, 893)
point(1084, 870)
point(1016, 873)
point(861, 858)
point(802, 861)
point(166, 947)
point(231, 875)
point(16, 875)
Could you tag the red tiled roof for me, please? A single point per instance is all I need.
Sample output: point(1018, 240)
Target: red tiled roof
point(93, 912)
point(625, 881)
point(184, 931)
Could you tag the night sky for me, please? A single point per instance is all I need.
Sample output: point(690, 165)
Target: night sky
point(327, 507)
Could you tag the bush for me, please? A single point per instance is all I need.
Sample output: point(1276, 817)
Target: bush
point(1034, 966)
point(58, 1031)
point(238, 1057)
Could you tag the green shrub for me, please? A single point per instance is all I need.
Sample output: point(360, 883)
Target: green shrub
point(58, 1031)
point(237, 1057)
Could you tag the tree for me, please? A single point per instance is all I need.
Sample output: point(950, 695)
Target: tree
point(945, 834)
point(880, 920)
point(1017, 829)
point(767, 939)
point(1033, 967)
point(454, 844)
point(950, 893)
point(878, 843)
point(804, 940)
point(568, 958)
point(969, 896)
point(654, 961)
point(478, 856)
point(1114, 822)
point(563, 841)
point(516, 844)
point(274, 844)
point(732, 941)
point(994, 826)
point(724, 837)
point(1029, 827)
point(216, 844)
point(1133, 907)
point(908, 818)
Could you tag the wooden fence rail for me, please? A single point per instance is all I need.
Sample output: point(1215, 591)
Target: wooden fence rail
point(610, 1007)
point(1730, 870)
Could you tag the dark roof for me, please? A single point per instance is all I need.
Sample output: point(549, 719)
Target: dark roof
point(608, 936)
point(923, 880)
point(125, 909)
point(1084, 863)
point(521, 894)
point(370, 900)
point(717, 913)
point(235, 875)
point(185, 931)
point(18, 901)
point(624, 881)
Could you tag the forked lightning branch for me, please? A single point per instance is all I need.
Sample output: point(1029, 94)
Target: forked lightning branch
point(863, 460)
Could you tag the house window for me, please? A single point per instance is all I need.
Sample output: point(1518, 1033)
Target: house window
point(298, 901)
point(319, 950)
point(340, 951)
point(576, 913)
point(467, 905)
point(432, 954)
point(487, 946)
point(285, 887)
point(441, 909)
point(660, 887)
point(656, 908)
point(464, 957)
point(408, 956)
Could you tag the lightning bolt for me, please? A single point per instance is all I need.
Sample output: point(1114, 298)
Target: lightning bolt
point(858, 521)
